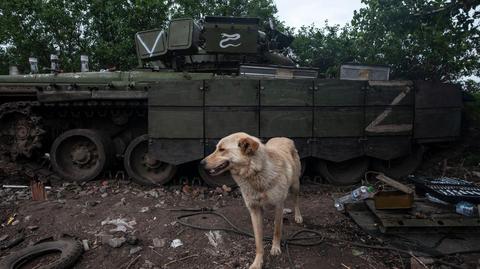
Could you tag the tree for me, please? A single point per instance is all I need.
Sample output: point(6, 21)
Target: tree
point(325, 48)
point(437, 40)
point(104, 30)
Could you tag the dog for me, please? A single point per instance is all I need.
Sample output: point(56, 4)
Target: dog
point(264, 173)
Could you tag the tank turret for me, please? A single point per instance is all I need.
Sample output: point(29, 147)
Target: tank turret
point(214, 44)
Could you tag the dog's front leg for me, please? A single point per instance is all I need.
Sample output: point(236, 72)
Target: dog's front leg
point(277, 232)
point(257, 223)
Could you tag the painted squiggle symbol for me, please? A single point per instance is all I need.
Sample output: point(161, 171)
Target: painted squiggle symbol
point(227, 38)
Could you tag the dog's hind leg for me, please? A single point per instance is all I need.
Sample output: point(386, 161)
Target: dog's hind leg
point(257, 223)
point(277, 232)
point(296, 194)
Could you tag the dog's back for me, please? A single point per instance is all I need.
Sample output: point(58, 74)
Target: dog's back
point(286, 147)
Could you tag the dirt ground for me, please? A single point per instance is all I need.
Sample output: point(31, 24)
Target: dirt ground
point(77, 210)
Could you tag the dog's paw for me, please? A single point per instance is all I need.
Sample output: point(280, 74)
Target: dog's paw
point(255, 265)
point(298, 219)
point(275, 251)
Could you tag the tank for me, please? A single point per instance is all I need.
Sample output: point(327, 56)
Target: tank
point(199, 81)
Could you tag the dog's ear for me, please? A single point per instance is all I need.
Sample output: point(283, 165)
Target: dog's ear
point(248, 145)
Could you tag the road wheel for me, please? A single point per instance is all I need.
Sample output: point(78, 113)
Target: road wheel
point(402, 166)
point(144, 169)
point(343, 173)
point(81, 154)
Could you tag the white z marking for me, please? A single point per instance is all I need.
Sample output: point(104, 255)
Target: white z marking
point(374, 126)
point(226, 38)
point(150, 51)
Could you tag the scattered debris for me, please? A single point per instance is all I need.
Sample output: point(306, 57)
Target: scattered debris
point(38, 191)
point(287, 211)
point(356, 252)
point(32, 227)
point(3, 237)
point(159, 243)
point(116, 242)
point(148, 264)
point(176, 243)
point(179, 260)
point(104, 195)
point(132, 262)
point(122, 224)
point(21, 187)
point(11, 219)
point(15, 241)
point(122, 202)
point(86, 247)
point(132, 240)
point(144, 209)
point(15, 222)
point(135, 250)
point(214, 238)
point(105, 238)
point(225, 188)
point(152, 193)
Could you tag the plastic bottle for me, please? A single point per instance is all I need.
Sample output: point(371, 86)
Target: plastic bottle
point(465, 208)
point(356, 195)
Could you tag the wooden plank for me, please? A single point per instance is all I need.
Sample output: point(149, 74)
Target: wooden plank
point(397, 185)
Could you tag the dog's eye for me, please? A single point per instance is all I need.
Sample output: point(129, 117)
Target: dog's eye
point(221, 149)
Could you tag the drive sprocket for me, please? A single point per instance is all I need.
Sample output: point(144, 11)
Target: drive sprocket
point(21, 130)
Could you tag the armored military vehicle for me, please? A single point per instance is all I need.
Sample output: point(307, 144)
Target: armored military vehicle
point(201, 80)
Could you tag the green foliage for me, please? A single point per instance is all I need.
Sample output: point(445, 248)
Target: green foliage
point(419, 39)
point(435, 40)
point(325, 48)
point(104, 30)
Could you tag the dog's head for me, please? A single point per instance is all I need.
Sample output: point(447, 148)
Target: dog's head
point(233, 151)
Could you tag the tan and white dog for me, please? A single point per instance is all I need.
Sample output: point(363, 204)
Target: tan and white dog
point(264, 173)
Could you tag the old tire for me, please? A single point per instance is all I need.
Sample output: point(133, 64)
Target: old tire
point(81, 154)
point(142, 168)
point(402, 166)
point(343, 173)
point(71, 250)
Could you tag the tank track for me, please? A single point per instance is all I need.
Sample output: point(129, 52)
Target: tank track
point(46, 121)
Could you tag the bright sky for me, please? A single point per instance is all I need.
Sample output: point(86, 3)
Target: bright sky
point(296, 13)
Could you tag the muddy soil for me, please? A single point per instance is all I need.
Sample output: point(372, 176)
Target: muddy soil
point(78, 210)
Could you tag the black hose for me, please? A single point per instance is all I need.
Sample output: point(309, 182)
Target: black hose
point(293, 239)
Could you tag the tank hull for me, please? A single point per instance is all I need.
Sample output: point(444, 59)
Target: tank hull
point(185, 114)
